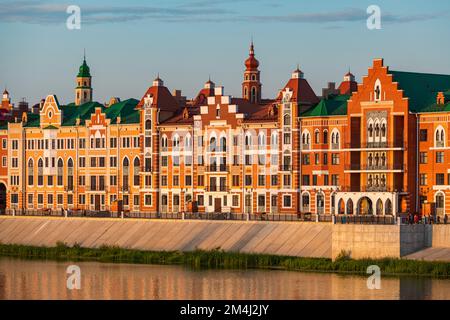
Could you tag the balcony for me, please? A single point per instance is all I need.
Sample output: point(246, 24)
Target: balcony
point(375, 167)
point(286, 167)
point(218, 168)
point(217, 189)
point(375, 145)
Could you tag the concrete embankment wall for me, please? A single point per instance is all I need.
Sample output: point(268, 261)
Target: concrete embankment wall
point(441, 236)
point(302, 239)
point(291, 238)
point(379, 241)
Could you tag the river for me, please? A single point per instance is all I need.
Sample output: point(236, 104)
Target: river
point(37, 279)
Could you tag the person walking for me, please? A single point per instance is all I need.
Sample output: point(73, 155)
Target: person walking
point(416, 218)
point(445, 218)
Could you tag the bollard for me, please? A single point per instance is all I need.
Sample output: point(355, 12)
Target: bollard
point(182, 216)
point(399, 221)
point(121, 214)
point(333, 219)
point(317, 217)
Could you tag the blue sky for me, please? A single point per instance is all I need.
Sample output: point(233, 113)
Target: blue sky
point(128, 42)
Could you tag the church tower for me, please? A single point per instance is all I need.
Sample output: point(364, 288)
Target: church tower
point(6, 101)
point(251, 87)
point(83, 91)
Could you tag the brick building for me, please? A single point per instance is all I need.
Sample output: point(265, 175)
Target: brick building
point(378, 147)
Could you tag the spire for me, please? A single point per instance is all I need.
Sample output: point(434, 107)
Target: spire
point(158, 82)
point(84, 71)
point(252, 48)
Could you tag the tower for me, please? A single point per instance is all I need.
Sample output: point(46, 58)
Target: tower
point(6, 100)
point(83, 91)
point(349, 84)
point(251, 87)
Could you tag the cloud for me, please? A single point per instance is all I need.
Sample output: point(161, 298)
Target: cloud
point(195, 11)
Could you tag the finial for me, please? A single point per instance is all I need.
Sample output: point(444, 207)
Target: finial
point(84, 54)
point(252, 49)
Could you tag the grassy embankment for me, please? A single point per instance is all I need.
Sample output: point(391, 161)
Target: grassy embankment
point(218, 259)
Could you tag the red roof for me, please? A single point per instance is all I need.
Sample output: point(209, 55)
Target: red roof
point(302, 91)
point(347, 87)
point(162, 98)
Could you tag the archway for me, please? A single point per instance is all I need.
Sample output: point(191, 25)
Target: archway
point(341, 207)
point(379, 207)
point(2, 198)
point(388, 207)
point(349, 206)
point(365, 206)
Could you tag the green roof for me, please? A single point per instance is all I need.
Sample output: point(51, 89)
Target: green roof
point(125, 109)
point(334, 105)
point(422, 89)
point(84, 70)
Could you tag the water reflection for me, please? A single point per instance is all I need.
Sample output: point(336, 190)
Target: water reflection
point(24, 279)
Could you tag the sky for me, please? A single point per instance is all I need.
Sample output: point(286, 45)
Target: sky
point(128, 43)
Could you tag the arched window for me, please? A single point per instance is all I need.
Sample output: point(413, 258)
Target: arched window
point(383, 130)
point(370, 130)
point(148, 124)
point(379, 207)
point(126, 172)
point(305, 203)
point(212, 144)
point(223, 144)
point(325, 136)
point(136, 170)
point(40, 172)
point(349, 206)
point(287, 120)
point(377, 129)
point(70, 174)
point(440, 137)
point(316, 136)
point(253, 99)
point(60, 172)
point(164, 143)
point(248, 141)
point(30, 172)
point(274, 139)
point(261, 140)
point(388, 207)
point(253, 77)
point(176, 141)
point(320, 203)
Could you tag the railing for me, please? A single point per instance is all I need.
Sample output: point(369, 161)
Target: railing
point(286, 167)
point(217, 189)
point(260, 216)
point(374, 167)
point(375, 145)
point(218, 168)
point(369, 189)
point(344, 219)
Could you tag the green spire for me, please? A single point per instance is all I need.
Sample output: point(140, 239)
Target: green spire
point(84, 69)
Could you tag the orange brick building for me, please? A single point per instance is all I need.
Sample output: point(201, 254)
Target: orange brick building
point(379, 147)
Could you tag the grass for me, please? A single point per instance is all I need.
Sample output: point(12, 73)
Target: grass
point(218, 259)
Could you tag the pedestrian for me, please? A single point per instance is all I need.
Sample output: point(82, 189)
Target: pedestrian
point(445, 218)
point(438, 219)
point(416, 218)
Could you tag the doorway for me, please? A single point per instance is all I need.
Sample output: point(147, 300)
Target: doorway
point(217, 205)
point(97, 202)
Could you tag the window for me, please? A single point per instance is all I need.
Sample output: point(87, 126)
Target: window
point(423, 157)
point(60, 172)
point(164, 161)
point(50, 180)
point(423, 135)
point(261, 180)
point(248, 180)
point(14, 198)
point(274, 180)
point(316, 158)
point(176, 180)
point(176, 161)
point(30, 172)
point(325, 136)
point(439, 157)
point(235, 180)
point(325, 180)
point(4, 143)
point(248, 159)
point(335, 158)
point(335, 179)
point(164, 181)
point(200, 200)
point(423, 180)
point(314, 180)
point(113, 142)
point(82, 162)
point(148, 199)
point(287, 138)
point(287, 201)
point(148, 165)
point(235, 200)
point(188, 180)
point(136, 170)
point(113, 161)
point(440, 179)
point(59, 199)
point(317, 137)
point(126, 171)
point(113, 180)
point(305, 180)
point(148, 181)
point(15, 162)
point(306, 159)
point(201, 180)
point(325, 158)
point(286, 180)
point(93, 162)
point(4, 162)
point(50, 199)
point(274, 159)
